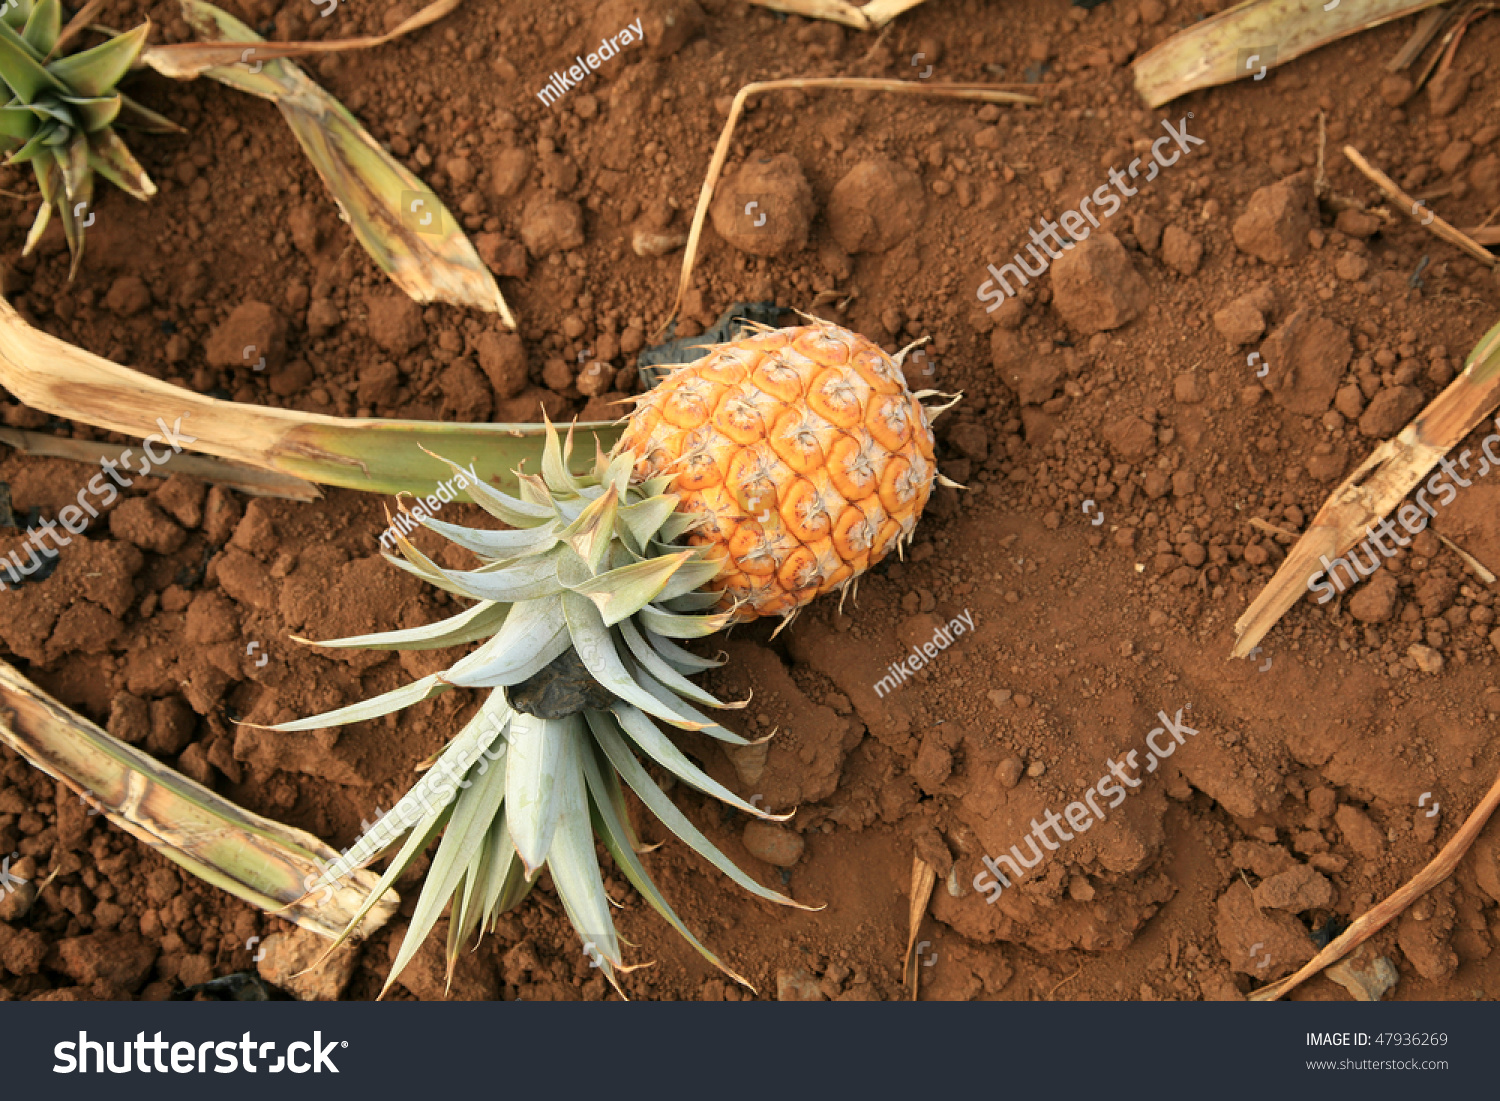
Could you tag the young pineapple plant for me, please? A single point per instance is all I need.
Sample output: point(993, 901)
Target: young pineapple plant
point(62, 113)
point(779, 467)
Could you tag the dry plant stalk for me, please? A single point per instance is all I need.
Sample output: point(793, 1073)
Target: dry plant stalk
point(188, 60)
point(253, 858)
point(872, 16)
point(986, 93)
point(1448, 232)
point(1214, 50)
point(1379, 485)
point(923, 879)
point(1370, 923)
point(370, 454)
point(247, 479)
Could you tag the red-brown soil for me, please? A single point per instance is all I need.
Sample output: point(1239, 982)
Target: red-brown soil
point(1296, 803)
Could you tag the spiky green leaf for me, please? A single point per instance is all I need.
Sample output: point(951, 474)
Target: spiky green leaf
point(95, 72)
point(657, 802)
point(43, 26)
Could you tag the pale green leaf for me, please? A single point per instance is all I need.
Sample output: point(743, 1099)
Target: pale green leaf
point(596, 649)
point(480, 621)
point(531, 784)
point(374, 707)
point(532, 636)
point(656, 745)
point(657, 802)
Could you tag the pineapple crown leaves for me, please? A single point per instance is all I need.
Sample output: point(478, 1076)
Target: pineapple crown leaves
point(61, 116)
point(591, 565)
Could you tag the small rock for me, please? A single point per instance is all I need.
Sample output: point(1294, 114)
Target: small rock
point(1451, 159)
point(772, 843)
point(766, 208)
point(797, 985)
point(140, 522)
point(1297, 889)
point(1181, 251)
point(1186, 388)
point(251, 331)
point(1276, 222)
point(594, 379)
point(1447, 90)
point(1306, 355)
point(508, 172)
point(287, 955)
point(1375, 602)
point(1391, 409)
point(1131, 437)
point(502, 255)
point(1094, 286)
point(1008, 772)
point(119, 959)
point(970, 440)
point(551, 225)
point(1356, 223)
point(1363, 835)
point(182, 498)
point(1366, 984)
point(1395, 90)
point(1148, 230)
point(1240, 322)
point(875, 206)
point(379, 383)
point(128, 296)
point(1351, 267)
point(129, 718)
point(466, 392)
point(1428, 660)
point(1034, 378)
point(395, 322)
point(502, 357)
point(934, 763)
point(557, 375)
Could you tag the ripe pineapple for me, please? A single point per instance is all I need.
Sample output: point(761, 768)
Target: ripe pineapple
point(803, 451)
point(779, 467)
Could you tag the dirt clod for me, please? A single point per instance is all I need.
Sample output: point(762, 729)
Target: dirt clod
point(875, 206)
point(1095, 287)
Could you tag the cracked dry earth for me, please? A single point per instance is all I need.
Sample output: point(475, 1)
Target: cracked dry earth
point(1124, 377)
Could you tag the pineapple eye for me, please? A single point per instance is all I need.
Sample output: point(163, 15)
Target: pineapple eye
point(862, 464)
point(860, 536)
point(839, 392)
point(906, 483)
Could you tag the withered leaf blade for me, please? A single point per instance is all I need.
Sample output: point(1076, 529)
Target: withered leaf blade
point(1220, 49)
point(1377, 487)
point(253, 858)
point(397, 219)
point(368, 454)
point(186, 60)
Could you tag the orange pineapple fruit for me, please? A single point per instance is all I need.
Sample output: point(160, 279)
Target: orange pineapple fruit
point(803, 451)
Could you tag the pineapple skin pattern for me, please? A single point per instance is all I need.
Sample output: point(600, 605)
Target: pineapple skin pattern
point(802, 452)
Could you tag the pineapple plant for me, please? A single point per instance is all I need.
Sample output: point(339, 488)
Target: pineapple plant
point(778, 467)
point(62, 113)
